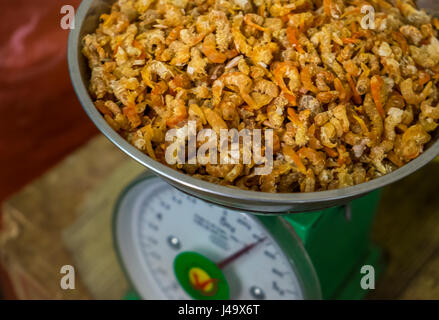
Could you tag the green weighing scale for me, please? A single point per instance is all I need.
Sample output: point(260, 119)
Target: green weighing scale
point(175, 246)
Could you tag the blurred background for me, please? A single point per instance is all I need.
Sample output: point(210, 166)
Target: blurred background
point(52, 162)
point(41, 120)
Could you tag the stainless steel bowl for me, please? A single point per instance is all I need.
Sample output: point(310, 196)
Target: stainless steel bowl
point(258, 202)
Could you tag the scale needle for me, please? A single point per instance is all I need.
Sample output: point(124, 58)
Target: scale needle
point(239, 253)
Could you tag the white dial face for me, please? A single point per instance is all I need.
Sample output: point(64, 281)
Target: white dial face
point(166, 222)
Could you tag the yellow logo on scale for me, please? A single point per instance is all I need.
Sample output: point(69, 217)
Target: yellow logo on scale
point(201, 281)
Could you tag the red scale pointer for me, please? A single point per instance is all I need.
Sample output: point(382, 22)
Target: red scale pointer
point(222, 264)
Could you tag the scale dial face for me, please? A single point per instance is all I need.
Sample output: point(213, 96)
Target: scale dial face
point(155, 224)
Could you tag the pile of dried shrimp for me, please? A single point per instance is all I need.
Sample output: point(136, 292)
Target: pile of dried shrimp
point(347, 103)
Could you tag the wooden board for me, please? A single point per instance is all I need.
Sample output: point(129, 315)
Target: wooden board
point(407, 227)
point(32, 246)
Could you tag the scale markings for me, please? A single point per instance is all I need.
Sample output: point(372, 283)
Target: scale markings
point(257, 237)
point(244, 223)
point(164, 205)
point(270, 255)
point(209, 226)
point(232, 237)
point(219, 241)
point(153, 226)
point(277, 272)
point(277, 289)
point(152, 240)
point(176, 200)
point(191, 199)
point(226, 224)
point(155, 255)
